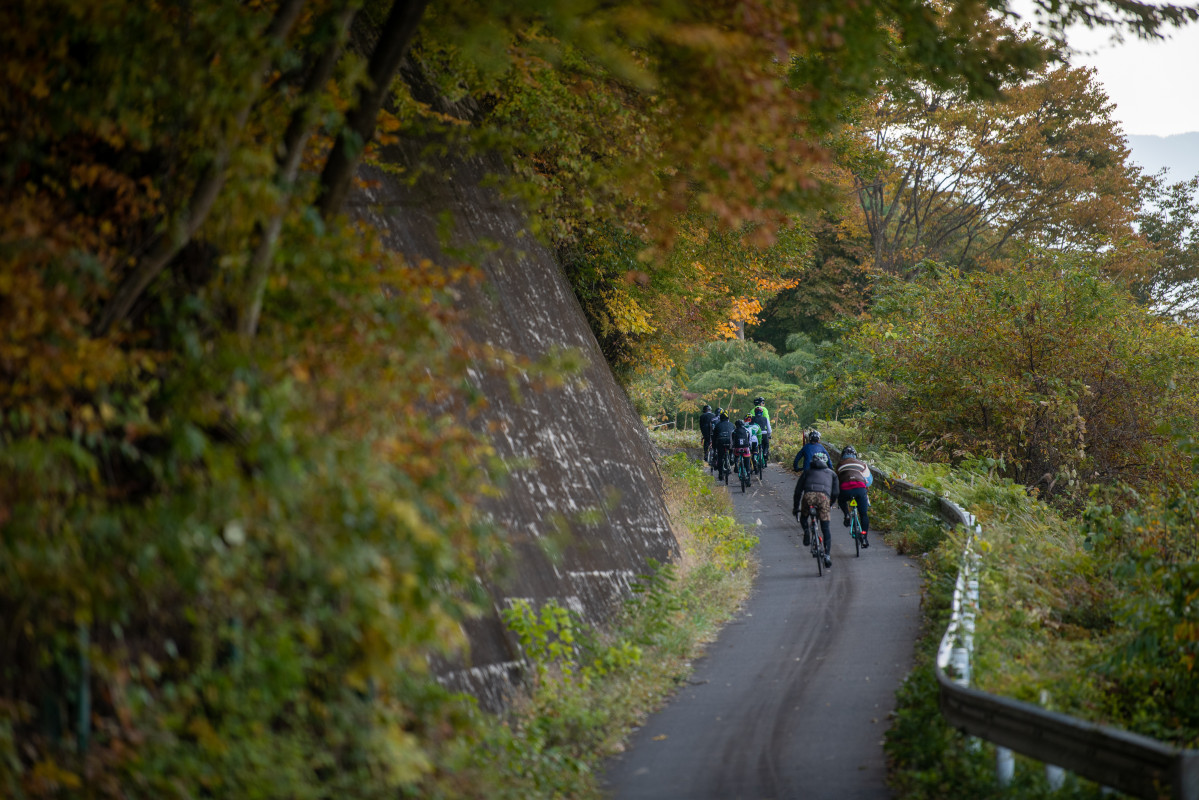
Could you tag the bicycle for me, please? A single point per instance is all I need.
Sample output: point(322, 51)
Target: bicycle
point(710, 457)
point(759, 463)
point(817, 538)
point(765, 439)
point(726, 465)
point(855, 528)
point(745, 467)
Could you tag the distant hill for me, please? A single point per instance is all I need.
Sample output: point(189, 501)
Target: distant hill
point(1179, 153)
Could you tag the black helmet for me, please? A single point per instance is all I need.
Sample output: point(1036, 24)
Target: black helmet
point(707, 407)
point(814, 436)
point(719, 410)
point(740, 423)
point(848, 452)
point(759, 401)
point(724, 416)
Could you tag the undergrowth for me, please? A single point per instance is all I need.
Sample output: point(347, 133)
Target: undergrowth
point(588, 688)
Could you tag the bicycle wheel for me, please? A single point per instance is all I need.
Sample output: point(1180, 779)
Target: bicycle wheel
point(855, 530)
point(819, 551)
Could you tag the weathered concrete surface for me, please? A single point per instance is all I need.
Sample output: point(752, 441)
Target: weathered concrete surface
point(588, 445)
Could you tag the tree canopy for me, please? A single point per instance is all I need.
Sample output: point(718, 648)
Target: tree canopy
point(212, 522)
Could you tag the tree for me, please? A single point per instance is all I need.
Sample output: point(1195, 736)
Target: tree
point(1169, 223)
point(1053, 369)
point(963, 181)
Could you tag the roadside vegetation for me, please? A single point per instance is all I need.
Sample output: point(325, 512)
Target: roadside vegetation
point(226, 554)
point(587, 688)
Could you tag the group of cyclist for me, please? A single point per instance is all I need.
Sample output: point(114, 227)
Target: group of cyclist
point(819, 485)
point(721, 436)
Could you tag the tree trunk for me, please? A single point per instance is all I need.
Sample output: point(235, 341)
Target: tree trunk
point(184, 226)
point(303, 120)
point(396, 37)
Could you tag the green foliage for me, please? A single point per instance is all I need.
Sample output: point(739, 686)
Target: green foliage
point(1151, 554)
point(1101, 619)
point(730, 375)
point(1052, 370)
point(707, 530)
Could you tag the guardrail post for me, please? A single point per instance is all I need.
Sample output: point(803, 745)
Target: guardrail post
point(1186, 777)
point(1005, 766)
point(83, 722)
point(1054, 774)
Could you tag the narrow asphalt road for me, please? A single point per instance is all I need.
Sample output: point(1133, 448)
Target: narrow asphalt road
point(792, 699)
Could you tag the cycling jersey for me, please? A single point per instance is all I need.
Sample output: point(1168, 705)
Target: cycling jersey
point(754, 431)
point(763, 422)
point(803, 459)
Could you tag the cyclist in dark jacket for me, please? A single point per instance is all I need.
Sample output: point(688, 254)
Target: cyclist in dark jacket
point(741, 441)
point(817, 487)
point(706, 421)
point(763, 422)
point(722, 433)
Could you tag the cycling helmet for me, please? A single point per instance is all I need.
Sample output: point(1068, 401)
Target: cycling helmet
point(759, 410)
point(749, 418)
point(814, 437)
point(740, 423)
point(719, 410)
point(759, 401)
point(724, 417)
point(848, 452)
point(821, 457)
point(707, 407)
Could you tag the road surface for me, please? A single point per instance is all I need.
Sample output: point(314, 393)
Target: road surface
point(792, 700)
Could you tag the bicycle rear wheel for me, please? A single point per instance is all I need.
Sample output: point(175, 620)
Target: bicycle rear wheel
point(819, 553)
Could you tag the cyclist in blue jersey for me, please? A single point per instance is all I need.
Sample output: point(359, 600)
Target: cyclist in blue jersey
point(803, 459)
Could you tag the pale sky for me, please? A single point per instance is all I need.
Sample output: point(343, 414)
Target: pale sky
point(1155, 85)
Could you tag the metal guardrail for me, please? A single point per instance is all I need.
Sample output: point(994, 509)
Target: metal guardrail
point(1128, 762)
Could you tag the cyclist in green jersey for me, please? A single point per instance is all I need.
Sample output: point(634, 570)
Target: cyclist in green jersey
point(762, 418)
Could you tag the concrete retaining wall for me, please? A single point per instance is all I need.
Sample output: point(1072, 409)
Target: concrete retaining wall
point(588, 447)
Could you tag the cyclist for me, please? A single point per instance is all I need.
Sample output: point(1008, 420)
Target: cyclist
point(755, 433)
point(760, 403)
point(762, 420)
point(854, 476)
point(741, 441)
point(803, 458)
point(722, 433)
point(818, 488)
point(706, 420)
